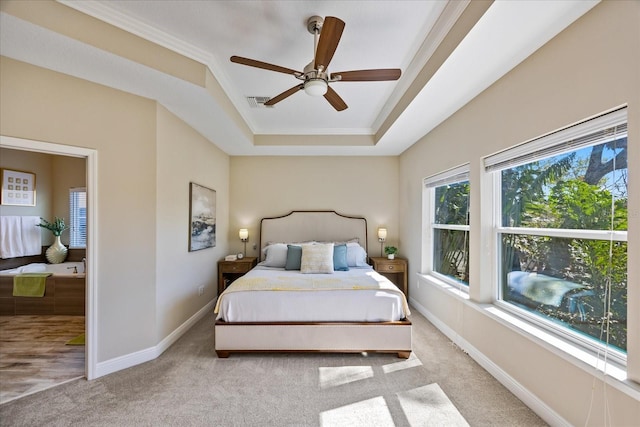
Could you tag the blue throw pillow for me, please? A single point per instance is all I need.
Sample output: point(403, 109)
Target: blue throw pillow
point(340, 258)
point(294, 255)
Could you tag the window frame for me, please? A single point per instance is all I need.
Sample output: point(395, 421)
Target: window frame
point(454, 175)
point(73, 218)
point(493, 176)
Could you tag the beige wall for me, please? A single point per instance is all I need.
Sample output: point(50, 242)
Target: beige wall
point(272, 186)
point(68, 172)
point(40, 165)
point(128, 133)
point(54, 176)
point(179, 272)
point(147, 281)
point(589, 68)
point(46, 106)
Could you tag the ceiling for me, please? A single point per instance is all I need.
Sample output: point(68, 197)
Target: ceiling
point(447, 55)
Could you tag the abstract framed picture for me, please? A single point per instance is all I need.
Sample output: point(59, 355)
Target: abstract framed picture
point(202, 217)
point(18, 188)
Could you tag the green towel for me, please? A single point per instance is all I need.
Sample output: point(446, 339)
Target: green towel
point(79, 340)
point(29, 284)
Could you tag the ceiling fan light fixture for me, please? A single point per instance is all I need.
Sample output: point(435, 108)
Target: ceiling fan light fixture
point(315, 87)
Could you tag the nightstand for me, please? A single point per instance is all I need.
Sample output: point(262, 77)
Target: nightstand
point(393, 269)
point(228, 271)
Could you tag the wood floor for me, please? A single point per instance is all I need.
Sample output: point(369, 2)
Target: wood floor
point(33, 354)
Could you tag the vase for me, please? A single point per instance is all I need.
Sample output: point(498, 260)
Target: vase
point(57, 252)
point(391, 256)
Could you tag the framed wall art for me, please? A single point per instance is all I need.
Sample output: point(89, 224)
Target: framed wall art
point(18, 188)
point(202, 217)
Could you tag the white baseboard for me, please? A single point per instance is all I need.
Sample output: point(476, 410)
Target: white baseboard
point(531, 400)
point(151, 353)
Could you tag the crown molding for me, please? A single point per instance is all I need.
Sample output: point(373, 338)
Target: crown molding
point(447, 19)
point(143, 30)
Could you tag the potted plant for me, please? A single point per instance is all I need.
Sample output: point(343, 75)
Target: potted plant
point(57, 252)
point(391, 251)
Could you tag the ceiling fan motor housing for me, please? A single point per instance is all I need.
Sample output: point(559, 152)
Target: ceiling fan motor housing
point(314, 24)
point(310, 72)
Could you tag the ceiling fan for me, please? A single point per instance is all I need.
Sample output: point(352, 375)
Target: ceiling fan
point(315, 76)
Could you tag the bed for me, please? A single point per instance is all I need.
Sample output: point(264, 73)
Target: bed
point(305, 307)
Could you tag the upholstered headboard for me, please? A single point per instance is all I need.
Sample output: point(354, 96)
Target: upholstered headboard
point(322, 226)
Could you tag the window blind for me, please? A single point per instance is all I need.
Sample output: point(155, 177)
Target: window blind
point(601, 129)
point(457, 174)
point(78, 217)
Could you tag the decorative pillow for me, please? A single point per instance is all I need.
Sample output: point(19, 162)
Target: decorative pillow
point(276, 255)
point(340, 242)
point(356, 255)
point(294, 256)
point(340, 258)
point(317, 258)
point(289, 243)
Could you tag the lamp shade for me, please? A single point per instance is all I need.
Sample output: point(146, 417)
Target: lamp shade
point(243, 234)
point(315, 87)
point(382, 233)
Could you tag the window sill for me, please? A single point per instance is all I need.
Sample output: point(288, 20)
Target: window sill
point(460, 291)
point(611, 373)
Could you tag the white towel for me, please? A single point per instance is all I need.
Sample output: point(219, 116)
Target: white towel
point(31, 240)
point(10, 237)
point(19, 236)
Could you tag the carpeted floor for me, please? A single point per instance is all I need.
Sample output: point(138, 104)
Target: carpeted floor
point(189, 386)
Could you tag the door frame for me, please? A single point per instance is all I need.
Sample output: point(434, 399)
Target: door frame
point(91, 274)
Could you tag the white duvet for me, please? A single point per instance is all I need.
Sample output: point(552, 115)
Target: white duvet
point(276, 295)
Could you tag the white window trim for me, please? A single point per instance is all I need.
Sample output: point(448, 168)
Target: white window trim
point(492, 166)
point(615, 235)
point(457, 174)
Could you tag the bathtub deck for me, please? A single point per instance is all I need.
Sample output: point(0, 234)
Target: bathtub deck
point(64, 295)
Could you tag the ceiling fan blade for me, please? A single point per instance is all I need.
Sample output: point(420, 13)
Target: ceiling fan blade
point(335, 100)
point(368, 75)
point(329, 38)
point(287, 93)
point(263, 65)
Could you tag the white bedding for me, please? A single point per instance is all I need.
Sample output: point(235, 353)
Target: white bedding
point(333, 298)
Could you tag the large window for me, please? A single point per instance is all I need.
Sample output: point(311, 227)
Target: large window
point(78, 214)
point(447, 196)
point(562, 230)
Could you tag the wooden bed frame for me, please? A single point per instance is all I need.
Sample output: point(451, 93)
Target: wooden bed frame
point(334, 337)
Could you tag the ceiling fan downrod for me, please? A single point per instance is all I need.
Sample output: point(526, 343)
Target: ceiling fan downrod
point(315, 80)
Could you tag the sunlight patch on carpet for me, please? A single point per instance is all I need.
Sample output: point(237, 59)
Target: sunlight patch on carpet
point(411, 362)
point(339, 375)
point(371, 412)
point(429, 405)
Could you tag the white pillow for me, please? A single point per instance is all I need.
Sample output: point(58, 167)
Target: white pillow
point(356, 255)
point(276, 255)
point(317, 258)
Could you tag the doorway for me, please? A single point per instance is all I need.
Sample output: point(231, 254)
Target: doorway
point(90, 157)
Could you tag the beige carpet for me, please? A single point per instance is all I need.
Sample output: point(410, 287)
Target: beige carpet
point(189, 386)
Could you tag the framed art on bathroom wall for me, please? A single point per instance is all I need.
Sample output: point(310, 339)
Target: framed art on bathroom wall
point(18, 188)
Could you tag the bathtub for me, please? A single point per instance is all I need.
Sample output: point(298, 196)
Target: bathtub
point(62, 269)
point(64, 291)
